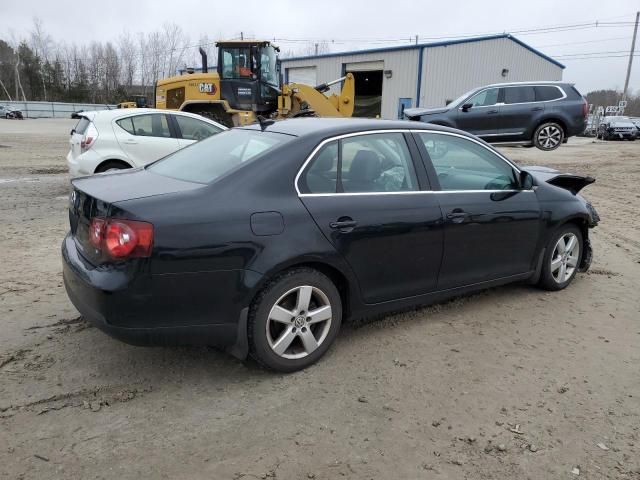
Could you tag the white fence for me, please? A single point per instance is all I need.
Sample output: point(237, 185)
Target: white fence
point(54, 109)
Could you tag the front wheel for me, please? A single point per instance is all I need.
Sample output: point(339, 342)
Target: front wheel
point(562, 258)
point(548, 136)
point(294, 320)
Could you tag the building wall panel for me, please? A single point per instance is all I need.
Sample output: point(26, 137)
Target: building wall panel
point(450, 71)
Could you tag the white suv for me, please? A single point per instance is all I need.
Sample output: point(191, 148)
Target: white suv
point(106, 140)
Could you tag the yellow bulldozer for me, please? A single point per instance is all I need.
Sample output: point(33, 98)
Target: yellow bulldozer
point(136, 101)
point(246, 84)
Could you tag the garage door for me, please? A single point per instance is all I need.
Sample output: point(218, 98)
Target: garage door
point(364, 66)
point(305, 75)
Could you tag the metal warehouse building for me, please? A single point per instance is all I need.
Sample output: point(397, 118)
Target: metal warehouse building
point(425, 75)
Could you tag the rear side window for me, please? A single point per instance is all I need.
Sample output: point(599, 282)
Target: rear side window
point(363, 164)
point(519, 95)
point(82, 125)
point(153, 125)
point(322, 174)
point(546, 93)
point(193, 129)
point(206, 161)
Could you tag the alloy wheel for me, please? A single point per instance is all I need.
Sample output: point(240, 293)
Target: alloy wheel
point(564, 259)
point(550, 136)
point(299, 322)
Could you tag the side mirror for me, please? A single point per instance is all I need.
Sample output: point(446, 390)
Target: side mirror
point(526, 180)
point(73, 130)
point(466, 106)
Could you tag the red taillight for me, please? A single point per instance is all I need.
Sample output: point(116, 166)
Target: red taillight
point(89, 138)
point(585, 108)
point(86, 142)
point(121, 239)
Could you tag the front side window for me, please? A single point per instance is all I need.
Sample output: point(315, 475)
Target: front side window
point(236, 62)
point(519, 95)
point(193, 129)
point(153, 125)
point(462, 164)
point(485, 98)
point(206, 161)
point(269, 66)
point(378, 162)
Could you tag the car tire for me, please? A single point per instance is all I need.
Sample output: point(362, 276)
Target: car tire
point(561, 259)
point(282, 331)
point(548, 136)
point(111, 165)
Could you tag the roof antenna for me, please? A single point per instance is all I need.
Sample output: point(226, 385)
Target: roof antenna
point(264, 122)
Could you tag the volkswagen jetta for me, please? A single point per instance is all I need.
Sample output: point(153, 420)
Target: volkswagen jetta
point(262, 240)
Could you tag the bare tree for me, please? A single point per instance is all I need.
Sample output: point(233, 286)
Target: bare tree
point(41, 44)
point(175, 43)
point(129, 59)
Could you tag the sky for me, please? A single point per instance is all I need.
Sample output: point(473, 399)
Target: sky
point(360, 24)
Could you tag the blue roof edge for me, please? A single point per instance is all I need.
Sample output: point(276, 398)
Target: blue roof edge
point(429, 45)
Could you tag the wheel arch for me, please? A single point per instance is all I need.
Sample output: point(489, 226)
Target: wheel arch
point(549, 119)
point(121, 161)
point(334, 273)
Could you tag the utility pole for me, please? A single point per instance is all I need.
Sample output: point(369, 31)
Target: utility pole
point(416, 39)
point(633, 47)
point(241, 35)
point(316, 49)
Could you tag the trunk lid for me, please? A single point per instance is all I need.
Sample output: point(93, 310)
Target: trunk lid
point(96, 195)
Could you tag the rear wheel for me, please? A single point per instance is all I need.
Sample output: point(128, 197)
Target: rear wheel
point(111, 166)
point(294, 320)
point(548, 136)
point(562, 258)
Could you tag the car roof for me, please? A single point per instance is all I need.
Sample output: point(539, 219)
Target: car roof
point(325, 127)
point(541, 82)
point(108, 115)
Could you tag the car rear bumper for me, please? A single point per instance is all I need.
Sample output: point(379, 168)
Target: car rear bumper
point(138, 315)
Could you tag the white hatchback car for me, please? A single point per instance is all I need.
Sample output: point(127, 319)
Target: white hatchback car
point(105, 140)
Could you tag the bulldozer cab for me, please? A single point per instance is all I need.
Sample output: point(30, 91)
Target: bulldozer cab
point(249, 75)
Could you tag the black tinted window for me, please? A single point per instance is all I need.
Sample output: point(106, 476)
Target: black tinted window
point(322, 172)
point(519, 95)
point(378, 162)
point(546, 93)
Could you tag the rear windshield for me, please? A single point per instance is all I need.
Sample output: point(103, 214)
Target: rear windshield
point(205, 161)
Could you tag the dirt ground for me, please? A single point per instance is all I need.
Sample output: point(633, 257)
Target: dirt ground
point(512, 383)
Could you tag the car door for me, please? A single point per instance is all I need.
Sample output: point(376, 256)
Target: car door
point(480, 114)
point(491, 225)
point(364, 193)
point(145, 138)
point(191, 130)
point(517, 112)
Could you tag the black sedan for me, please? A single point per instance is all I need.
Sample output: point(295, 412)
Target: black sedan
point(262, 240)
